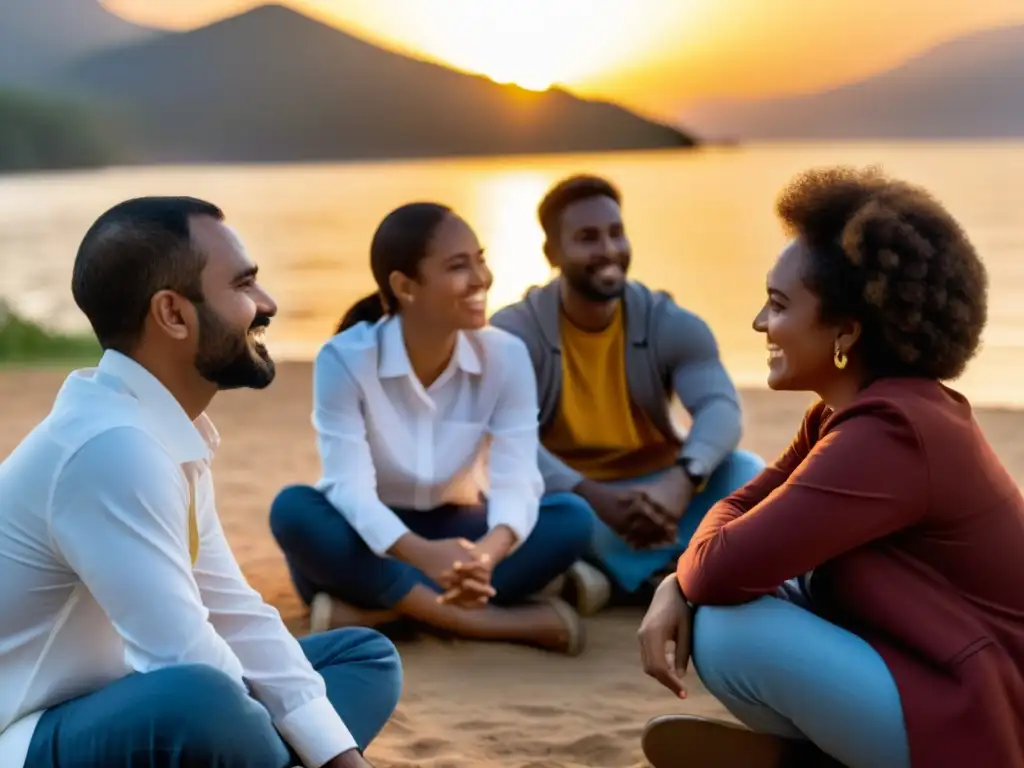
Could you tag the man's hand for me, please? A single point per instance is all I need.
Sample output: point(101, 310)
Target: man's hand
point(628, 512)
point(671, 494)
point(350, 759)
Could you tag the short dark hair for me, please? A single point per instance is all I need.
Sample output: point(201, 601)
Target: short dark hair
point(888, 254)
point(568, 191)
point(132, 251)
point(399, 244)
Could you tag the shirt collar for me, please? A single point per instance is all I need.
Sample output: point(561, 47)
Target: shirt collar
point(186, 440)
point(394, 359)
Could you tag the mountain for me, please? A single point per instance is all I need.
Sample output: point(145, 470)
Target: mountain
point(37, 37)
point(970, 87)
point(273, 85)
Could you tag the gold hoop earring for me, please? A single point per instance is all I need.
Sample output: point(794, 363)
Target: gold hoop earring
point(840, 359)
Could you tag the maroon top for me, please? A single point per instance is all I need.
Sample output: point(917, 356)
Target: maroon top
point(915, 533)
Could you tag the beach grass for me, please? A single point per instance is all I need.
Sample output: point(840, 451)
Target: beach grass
point(24, 343)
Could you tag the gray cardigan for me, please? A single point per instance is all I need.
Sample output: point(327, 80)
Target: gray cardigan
point(667, 349)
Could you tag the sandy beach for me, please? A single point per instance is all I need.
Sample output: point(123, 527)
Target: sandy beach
point(465, 705)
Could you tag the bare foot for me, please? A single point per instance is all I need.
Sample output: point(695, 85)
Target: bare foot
point(326, 612)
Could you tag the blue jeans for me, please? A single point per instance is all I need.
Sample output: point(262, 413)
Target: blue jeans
point(631, 568)
point(325, 554)
point(194, 716)
point(781, 669)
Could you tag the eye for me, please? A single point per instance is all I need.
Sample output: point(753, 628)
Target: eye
point(775, 306)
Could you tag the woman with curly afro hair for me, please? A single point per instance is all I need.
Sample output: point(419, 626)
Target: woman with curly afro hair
point(862, 600)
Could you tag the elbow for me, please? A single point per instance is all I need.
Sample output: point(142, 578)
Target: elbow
point(707, 581)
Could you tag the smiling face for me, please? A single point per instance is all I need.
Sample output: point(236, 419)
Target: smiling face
point(230, 348)
point(801, 347)
point(593, 252)
point(452, 280)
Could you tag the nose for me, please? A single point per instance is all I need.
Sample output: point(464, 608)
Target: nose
point(761, 320)
point(482, 277)
point(265, 303)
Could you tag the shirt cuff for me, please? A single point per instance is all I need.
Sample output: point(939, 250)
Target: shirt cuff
point(516, 514)
point(375, 522)
point(383, 531)
point(316, 733)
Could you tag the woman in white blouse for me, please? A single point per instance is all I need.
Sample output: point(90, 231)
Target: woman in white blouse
point(430, 504)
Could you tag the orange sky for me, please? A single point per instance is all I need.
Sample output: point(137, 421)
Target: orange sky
point(654, 55)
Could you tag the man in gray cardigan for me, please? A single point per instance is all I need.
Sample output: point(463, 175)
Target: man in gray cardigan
point(609, 354)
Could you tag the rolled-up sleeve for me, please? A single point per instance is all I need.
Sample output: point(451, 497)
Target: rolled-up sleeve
point(516, 484)
point(273, 664)
point(349, 478)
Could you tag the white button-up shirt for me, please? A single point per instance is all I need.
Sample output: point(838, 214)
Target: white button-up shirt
point(387, 442)
point(96, 578)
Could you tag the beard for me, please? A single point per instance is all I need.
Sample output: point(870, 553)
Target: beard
point(585, 284)
point(229, 359)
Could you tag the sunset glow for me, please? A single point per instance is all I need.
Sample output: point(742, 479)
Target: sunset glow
point(654, 55)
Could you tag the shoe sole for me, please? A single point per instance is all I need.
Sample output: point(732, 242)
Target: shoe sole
point(682, 741)
point(593, 590)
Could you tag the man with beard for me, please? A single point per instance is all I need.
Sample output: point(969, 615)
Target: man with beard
point(128, 634)
point(609, 354)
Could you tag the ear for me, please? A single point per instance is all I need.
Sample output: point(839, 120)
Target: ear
point(403, 287)
point(848, 336)
point(551, 252)
point(173, 314)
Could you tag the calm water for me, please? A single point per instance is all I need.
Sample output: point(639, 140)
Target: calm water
point(701, 223)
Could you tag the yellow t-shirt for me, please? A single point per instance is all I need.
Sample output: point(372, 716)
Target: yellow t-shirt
point(597, 430)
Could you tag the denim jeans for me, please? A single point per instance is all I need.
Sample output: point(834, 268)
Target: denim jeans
point(781, 669)
point(631, 568)
point(194, 716)
point(325, 554)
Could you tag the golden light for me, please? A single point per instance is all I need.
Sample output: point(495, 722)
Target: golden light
point(534, 44)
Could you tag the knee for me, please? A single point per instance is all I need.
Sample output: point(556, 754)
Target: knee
point(574, 519)
point(287, 518)
point(377, 658)
point(724, 640)
point(204, 712)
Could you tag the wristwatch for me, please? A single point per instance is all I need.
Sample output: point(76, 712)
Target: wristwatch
point(694, 470)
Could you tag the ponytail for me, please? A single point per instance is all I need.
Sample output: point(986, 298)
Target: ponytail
point(368, 309)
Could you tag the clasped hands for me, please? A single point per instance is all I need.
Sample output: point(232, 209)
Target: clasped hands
point(462, 568)
point(644, 516)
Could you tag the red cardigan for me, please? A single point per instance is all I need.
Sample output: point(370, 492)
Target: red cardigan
point(915, 533)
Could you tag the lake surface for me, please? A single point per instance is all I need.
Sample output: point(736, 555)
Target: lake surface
point(701, 223)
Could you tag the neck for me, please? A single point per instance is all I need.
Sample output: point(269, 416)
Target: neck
point(842, 392)
point(586, 314)
point(429, 350)
point(193, 393)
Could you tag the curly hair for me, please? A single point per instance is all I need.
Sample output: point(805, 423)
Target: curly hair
point(888, 254)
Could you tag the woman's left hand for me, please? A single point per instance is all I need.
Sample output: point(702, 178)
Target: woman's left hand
point(667, 623)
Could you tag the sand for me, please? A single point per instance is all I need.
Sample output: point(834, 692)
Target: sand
point(465, 705)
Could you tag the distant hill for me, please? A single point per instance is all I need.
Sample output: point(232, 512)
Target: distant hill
point(42, 134)
point(970, 87)
point(37, 37)
point(274, 85)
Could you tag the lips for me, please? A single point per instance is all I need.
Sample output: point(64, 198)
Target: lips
point(774, 352)
point(258, 335)
point(476, 302)
point(609, 272)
